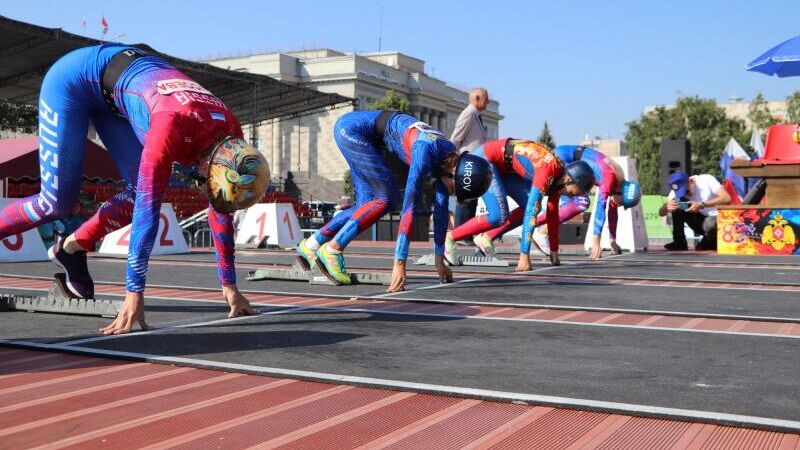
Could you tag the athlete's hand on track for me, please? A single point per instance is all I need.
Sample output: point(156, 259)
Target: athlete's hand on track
point(132, 311)
point(524, 263)
point(554, 261)
point(240, 306)
point(445, 274)
point(398, 276)
point(615, 248)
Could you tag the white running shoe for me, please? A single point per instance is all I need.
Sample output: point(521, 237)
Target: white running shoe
point(541, 242)
point(451, 252)
point(484, 244)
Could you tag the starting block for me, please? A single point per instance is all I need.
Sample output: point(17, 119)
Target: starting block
point(253, 243)
point(465, 260)
point(59, 300)
point(315, 276)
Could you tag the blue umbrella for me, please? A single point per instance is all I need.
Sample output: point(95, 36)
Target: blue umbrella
point(782, 60)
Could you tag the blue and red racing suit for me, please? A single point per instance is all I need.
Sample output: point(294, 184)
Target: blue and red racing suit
point(568, 207)
point(606, 180)
point(418, 145)
point(164, 117)
point(533, 174)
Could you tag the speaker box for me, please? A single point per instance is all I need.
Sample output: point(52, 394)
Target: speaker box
point(675, 156)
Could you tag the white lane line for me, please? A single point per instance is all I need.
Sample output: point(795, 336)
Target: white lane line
point(483, 394)
point(431, 286)
point(556, 279)
point(608, 281)
point(556, 306)
point(446, 285)
point(186, 325)
point(246, 292)
point(511, 319)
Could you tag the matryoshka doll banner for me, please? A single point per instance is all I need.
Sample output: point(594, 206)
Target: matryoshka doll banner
point(758, 232)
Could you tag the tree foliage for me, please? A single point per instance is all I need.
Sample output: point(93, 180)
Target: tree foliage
point(392, 100)
point(760, 114)
point(545, 137)
point(20, 117)
point(699, 120)
point(348, 184)
point(793, 108)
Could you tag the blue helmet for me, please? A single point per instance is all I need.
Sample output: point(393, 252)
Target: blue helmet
point(473, 176)
point(631, 194)
point(582, 175)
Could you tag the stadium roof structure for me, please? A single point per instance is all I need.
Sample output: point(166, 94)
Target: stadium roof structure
point(27, 51)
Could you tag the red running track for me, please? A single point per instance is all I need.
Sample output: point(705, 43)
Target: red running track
point(53, 400)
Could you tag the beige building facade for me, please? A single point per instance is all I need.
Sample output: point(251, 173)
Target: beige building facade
point(609, 147)
point(305, 144)
point(737, 108)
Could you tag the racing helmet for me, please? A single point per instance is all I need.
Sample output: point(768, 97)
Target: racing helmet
point(238, 175)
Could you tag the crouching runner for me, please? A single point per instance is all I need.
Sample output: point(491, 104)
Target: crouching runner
point(149, 115)
point(613, 190)
point(365, 138)
point(526, 171)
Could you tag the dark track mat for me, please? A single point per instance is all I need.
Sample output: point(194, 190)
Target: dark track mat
point(654, 270)
point(711, 257)
point(194, 276)
point(46, 327)
point(599, 294)
point(722, 373)
point(354, 262)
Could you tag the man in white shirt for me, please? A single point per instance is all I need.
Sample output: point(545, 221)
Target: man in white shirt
point(468, 134)
point(693, 201)
point(469, 131)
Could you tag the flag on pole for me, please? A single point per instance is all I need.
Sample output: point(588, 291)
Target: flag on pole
point(104, 23)
point(757, 143)
point(733, 151)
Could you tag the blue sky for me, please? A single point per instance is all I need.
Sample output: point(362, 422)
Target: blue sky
point(585, 67)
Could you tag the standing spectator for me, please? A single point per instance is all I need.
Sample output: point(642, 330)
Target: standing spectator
point(468, 134)
point(693, 201)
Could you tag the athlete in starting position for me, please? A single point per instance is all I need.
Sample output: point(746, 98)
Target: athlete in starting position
point(614, 191)
point(367, 139)
point(527, 171)
point(148, 115)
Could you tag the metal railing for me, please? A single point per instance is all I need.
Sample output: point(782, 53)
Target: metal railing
point(202, 238)
point(187, 236)
point(194, 219)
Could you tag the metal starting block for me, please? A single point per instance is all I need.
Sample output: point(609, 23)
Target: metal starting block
point(315, 276)
point(465, 260)
point(60, 300)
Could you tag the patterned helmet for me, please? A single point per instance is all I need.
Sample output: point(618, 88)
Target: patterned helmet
point(238, 175)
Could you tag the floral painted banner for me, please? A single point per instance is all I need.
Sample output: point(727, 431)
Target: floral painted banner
point(758, 232)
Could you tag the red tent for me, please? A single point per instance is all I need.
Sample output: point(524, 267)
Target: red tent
point(19, 158)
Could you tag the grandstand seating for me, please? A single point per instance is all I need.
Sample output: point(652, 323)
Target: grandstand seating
point(185, 201)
